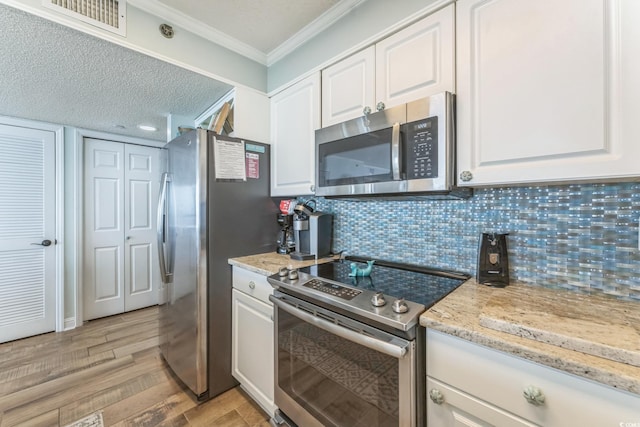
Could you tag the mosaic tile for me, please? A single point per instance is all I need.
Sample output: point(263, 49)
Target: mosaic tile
point(579, 237)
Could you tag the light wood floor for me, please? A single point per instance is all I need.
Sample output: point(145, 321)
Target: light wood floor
point(112, 365)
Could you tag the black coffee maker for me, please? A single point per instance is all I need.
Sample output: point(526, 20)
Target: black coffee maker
point(285, 240)
point(493, 261)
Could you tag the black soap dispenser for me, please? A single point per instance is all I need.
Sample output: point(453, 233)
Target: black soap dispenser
point(493, 261)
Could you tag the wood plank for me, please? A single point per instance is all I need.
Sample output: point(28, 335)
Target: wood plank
point(118, 344)
point(136, 404)
point(65, 367)
point(52, 379)
point(109, 396)
point(160, 413)
point(47, 419)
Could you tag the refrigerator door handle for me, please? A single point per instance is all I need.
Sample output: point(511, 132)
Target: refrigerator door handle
point(163, 222)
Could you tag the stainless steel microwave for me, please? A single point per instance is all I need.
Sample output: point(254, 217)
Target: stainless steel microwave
point(404, 150)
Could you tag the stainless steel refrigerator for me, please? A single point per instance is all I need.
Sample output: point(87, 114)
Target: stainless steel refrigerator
point(214, 205)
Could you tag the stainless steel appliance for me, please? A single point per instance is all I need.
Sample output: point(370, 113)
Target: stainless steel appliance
point(349, 350)
point(214, 205)
point(312, 232)
point(493, 260)
point(405, 150)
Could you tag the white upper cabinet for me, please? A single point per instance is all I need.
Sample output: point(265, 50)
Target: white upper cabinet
point(348, 87)
point(295, 115)
point(415, 62)
point(546, 90)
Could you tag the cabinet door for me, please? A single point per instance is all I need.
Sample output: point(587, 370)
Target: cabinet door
point(417, 61)
point(252, 348)
point(457, 409)
point(295, 115)
point(348, 87)
point(545, 90)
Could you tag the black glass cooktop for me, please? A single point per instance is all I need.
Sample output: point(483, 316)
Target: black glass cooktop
point(396, 280)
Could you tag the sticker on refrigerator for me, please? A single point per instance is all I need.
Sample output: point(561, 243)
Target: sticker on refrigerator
point(229, 160)
point(252, 165)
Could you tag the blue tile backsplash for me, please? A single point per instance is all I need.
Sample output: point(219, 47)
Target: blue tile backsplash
point(578, 237)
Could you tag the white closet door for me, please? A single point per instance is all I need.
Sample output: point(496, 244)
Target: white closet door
point(142, 272)
point(104, 228)
point(27, 220)
point(121, 192)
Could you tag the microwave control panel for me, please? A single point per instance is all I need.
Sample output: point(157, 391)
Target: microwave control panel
point(421, 148)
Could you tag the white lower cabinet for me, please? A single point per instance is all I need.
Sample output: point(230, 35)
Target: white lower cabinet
point(472, 385)
point(252, 336)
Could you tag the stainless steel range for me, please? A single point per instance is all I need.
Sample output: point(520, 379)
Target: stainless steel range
point(349, 348)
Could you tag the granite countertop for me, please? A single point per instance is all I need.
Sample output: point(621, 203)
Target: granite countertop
point(592, 336)
point(269, 263)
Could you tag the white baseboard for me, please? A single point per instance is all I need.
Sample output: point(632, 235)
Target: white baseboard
point(69, 323)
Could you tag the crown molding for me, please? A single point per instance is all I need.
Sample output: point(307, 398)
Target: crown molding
point(317, 26)
point(175, 17)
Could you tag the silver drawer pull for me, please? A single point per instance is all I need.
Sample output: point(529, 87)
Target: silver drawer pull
point(252, 285)
point(534, 395)
point(436, 396)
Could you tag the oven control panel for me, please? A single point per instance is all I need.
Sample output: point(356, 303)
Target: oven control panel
point(332, 289)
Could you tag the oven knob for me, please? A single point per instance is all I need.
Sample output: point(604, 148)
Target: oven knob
point(377, 300)
point(293, 274)
point(400, 306)
point(283, 271)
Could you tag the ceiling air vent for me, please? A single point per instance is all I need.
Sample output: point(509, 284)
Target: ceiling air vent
point(109, 15)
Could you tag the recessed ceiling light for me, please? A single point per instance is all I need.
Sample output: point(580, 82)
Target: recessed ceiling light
point(148, 128)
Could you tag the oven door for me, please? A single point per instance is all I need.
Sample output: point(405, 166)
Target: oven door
point(334, 371)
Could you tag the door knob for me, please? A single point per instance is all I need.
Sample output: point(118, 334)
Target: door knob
point(43, 243)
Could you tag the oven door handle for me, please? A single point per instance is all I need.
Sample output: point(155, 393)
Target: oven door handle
point(390, 349)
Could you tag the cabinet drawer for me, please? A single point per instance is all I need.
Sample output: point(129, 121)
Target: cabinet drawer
point(253, 284)
point(500, 379)
point(459, 409)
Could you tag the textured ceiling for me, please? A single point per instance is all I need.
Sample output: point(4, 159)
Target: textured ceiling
point(263, 24)
point(52, 73)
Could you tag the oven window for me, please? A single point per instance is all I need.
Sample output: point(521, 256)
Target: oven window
point(338, 382)
point(360, 159)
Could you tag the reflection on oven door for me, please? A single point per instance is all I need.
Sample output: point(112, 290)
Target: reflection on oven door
point(337, 382)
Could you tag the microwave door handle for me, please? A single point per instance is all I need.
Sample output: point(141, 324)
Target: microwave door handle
point(396, 158)
point(395, 350)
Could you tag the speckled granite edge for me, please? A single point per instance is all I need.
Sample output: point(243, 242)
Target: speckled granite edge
point(269, 263)
point(459, 315)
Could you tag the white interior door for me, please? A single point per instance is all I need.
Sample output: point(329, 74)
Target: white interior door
point(142, 186)
point(27, 222)
point(121, 190)
point(104, 228)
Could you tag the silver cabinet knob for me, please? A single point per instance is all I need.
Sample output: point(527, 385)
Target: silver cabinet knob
point(377, 300)
point(128, 237)
point(436, 396)
point(312, 188)
point(466, 176)
point(380, 106)
point(400, 306)
point(534, 395)
point(366, 110)
point(252, 285)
